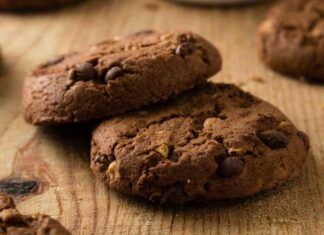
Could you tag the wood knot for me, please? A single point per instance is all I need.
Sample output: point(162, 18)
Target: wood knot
point(18, 186)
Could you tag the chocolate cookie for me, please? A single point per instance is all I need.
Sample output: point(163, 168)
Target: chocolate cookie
point(32, 4)
point(117, 76)
point(14, 223)
point(210, 143)
point(291, 39)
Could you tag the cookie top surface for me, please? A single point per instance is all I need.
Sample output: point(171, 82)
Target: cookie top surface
point(14, 223)
point(23, 5)
point(201, 145)
point(291, 39)
point(115, 76)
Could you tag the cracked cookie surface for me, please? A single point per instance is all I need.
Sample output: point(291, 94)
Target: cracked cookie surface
point(24, 5)
point(116, 76)
point(14, 223)
point(212, 142)
point(291, 39)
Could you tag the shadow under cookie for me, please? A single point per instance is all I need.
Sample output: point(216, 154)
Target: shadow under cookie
point(33, 5)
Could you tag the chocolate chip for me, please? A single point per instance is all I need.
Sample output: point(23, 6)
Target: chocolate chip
point(184, 49)
point(186, 38)
point(113, 73)
point(273, 139)
point(231, 166)
point(85, 71)
point(101, 159)
point(54, 60)
point(102, 162)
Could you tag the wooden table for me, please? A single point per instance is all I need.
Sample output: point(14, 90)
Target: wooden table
point(50, 166)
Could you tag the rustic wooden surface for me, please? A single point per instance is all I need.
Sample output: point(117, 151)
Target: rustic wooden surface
point(57, 159)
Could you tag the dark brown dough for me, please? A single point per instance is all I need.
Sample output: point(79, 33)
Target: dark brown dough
point(116, 76)
point(213, 142)
point(291, 39)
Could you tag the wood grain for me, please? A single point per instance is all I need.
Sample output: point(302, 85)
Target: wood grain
point(58, 158)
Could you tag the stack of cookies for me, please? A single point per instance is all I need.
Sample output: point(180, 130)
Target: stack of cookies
point(165, 133)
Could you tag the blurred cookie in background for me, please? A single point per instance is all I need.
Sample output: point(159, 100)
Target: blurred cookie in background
point(25, 5)
point(291, 39)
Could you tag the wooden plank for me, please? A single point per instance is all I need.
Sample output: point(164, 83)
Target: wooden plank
point(58, 158)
